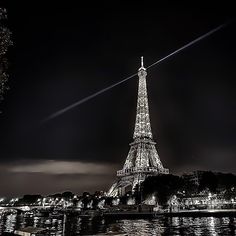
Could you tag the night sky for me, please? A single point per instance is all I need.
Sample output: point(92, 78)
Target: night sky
point(64, 52)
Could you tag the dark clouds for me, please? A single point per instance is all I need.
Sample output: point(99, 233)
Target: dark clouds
point(65, 52)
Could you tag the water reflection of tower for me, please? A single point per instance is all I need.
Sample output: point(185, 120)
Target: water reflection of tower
point(64, 225)
point(143, 159)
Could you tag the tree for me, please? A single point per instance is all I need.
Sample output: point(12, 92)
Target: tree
point(209, 181)
point(163, 186)
point(226, 181)
point(189, 187)
point(67, 195)
point(29, 199)
point(5, 42)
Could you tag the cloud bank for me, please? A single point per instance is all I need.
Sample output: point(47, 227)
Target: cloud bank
point(63, 167)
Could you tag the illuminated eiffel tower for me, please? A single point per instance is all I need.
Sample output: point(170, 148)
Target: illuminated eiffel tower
point(143, 159)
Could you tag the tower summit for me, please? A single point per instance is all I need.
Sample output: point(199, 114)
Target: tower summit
point(143, 159)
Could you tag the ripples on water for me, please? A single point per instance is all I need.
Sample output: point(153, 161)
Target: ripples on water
point(60, 225)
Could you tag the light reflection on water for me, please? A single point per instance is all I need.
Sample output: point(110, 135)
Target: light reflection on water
point(61, 225)
point(10, 222)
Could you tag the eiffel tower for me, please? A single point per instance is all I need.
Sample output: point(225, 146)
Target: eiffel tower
point(143, 159)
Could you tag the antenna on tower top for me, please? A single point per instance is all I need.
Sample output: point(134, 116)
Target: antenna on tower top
point(142, 61)
point(142, 67)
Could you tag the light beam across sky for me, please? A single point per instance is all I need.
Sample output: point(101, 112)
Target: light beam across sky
point(64, 110)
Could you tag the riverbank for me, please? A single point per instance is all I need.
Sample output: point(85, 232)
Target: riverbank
point(189, 213)
point(127, 213)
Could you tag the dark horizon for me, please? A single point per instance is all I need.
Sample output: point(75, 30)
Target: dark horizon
point(65, 52)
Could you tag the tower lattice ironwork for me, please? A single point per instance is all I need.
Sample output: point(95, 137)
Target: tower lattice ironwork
point(143, 159)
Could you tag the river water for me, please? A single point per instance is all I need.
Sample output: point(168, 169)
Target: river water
point(60, 225)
